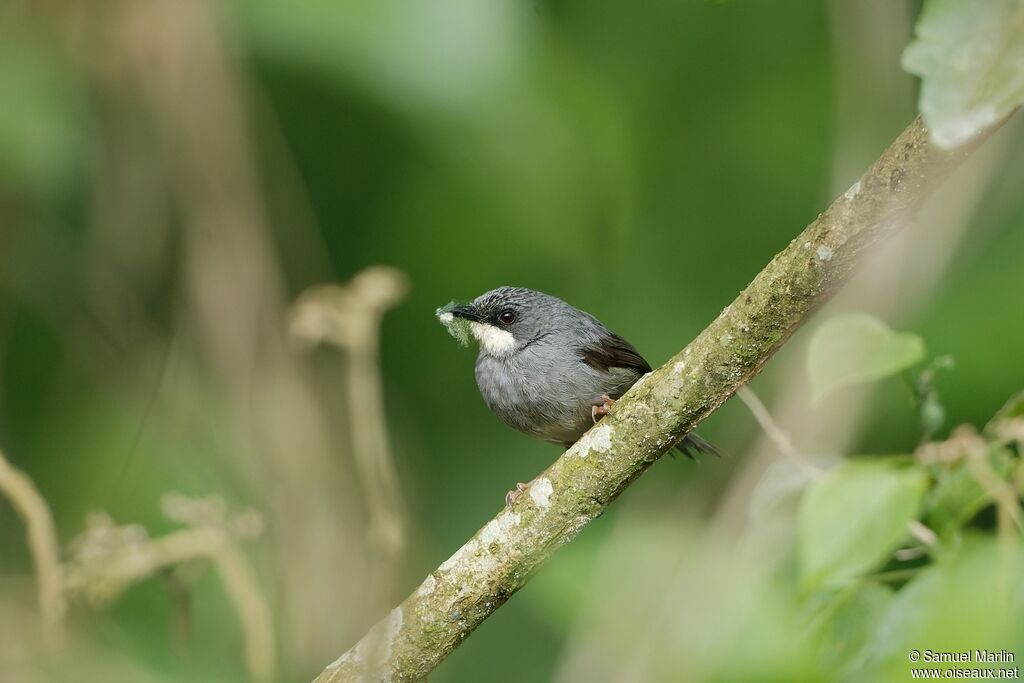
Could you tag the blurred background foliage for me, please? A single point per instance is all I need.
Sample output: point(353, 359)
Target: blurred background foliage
point(174, 174)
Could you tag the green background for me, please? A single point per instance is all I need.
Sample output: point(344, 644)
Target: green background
point(642, 161)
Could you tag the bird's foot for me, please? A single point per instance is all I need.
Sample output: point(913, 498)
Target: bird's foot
point(602, 408)
point(514, 494)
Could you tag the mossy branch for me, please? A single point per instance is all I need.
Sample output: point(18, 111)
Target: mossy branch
point(468, 587)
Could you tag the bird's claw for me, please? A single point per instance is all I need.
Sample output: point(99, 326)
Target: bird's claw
point(603, 408)
point(514, 494)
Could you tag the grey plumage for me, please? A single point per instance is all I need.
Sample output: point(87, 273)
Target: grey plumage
point(543, 364)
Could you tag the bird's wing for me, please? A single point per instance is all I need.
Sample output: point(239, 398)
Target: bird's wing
point(612, 351)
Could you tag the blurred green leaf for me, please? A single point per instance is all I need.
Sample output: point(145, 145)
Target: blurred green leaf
point(663, 602)
point(957, 496)
point(974, 600)
point(1014, 407)
point(933, 413)
point(856, 348)
point(852, 625)
point(439, 57)
point(852, 519)
point(970, 57)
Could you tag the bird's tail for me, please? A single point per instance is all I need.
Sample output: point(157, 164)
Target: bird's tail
point(692, 443)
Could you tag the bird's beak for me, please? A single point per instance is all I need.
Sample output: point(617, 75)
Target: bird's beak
point(467, 312)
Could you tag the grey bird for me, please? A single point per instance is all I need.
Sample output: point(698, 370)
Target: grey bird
point(548, 369)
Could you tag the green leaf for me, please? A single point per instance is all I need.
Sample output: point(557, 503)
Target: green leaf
point(957, 496)
point(852, 519)
point(933, 413)
point(856, 348)
point(457, 327)
point(970, 57)
point(973, 600)
point(852, 626)
point(1014, 407)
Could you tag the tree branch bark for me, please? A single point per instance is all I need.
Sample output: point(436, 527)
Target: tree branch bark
point(468, 587)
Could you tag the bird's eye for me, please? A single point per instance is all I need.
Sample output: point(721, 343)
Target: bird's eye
point(507, 317)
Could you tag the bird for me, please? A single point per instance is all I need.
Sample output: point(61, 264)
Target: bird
point(548, 369)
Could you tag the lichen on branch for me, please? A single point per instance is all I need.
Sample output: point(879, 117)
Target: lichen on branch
point(658, 411)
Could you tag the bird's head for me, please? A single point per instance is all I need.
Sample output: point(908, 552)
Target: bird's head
point(506, 319)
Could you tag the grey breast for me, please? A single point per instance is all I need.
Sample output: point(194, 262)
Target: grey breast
point(547, 391)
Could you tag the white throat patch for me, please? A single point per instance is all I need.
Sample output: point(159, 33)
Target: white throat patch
point(493, 341)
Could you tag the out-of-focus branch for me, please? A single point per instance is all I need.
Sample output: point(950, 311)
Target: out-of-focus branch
point(349, 316)
point(100, 578)
point(243, 589)
point(775, 433)
point(109, 559)
point(42, 542)
point(454, 599)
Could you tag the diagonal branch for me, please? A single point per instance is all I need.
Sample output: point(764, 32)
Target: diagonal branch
point(456, 597)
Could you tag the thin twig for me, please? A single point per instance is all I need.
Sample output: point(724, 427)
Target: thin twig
point(244, 591)
point(99, 575)
point(348, 317)
point(1000, 491)
point(774, 432)
point(101, 578)
point(922, 533)
point(42, 542)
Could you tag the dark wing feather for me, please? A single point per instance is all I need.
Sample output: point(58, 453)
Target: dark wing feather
point(692, 443)
point(612, 351)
